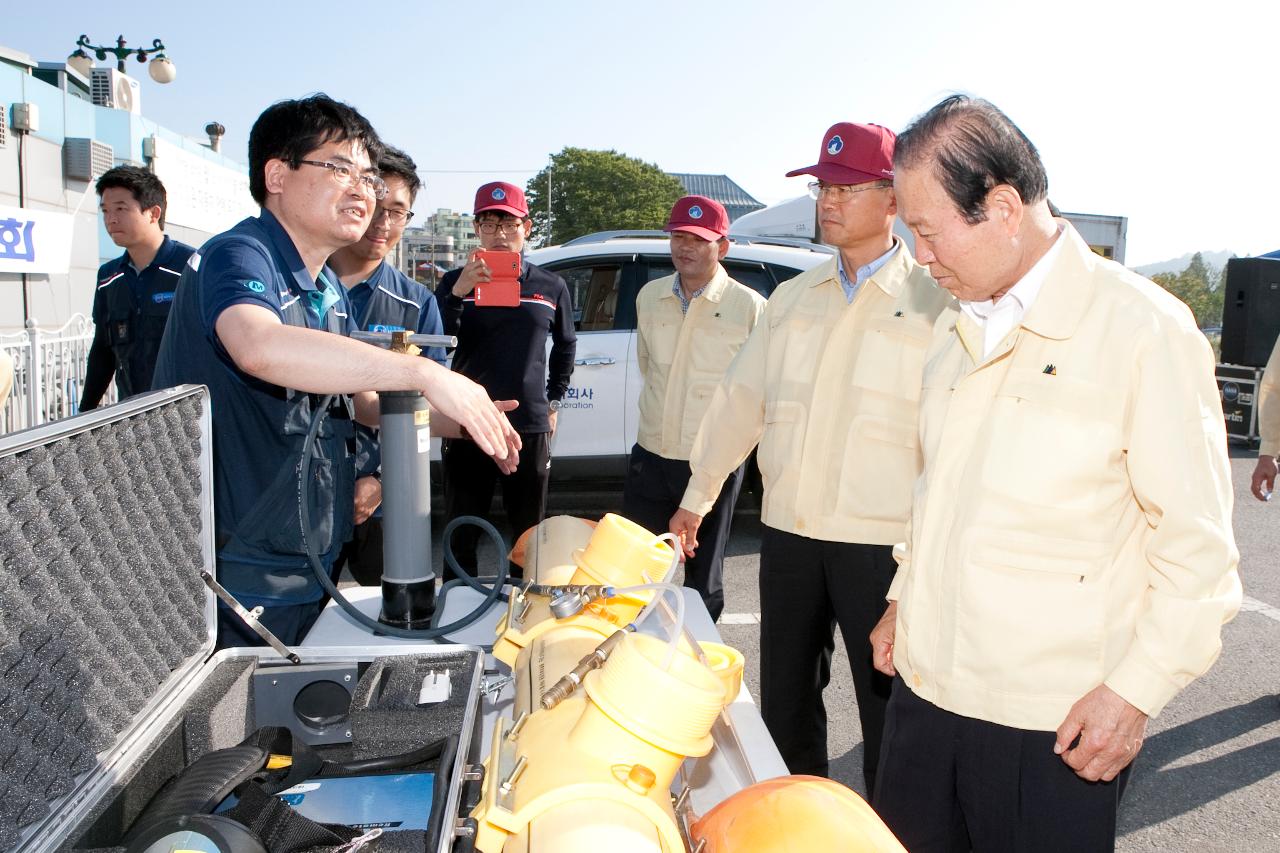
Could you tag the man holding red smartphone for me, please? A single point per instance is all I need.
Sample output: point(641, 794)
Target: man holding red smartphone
point(502, 309)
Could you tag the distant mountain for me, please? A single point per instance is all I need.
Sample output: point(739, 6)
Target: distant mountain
point(1213, 259)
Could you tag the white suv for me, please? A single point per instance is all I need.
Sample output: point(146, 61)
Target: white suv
point(605, 271)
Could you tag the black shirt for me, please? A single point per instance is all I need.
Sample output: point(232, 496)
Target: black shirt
point(505, 349)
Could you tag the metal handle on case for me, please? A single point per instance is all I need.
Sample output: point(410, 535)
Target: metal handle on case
point(250, 618)
point(594, 360)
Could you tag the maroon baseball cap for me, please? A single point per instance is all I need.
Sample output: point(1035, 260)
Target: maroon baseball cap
point(699, 215)
point(853, 154)
point(502, 197)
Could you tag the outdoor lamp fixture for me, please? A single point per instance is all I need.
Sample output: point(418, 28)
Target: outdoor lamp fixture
point(162, 70)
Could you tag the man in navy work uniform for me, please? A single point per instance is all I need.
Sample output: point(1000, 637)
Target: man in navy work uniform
point(135, 290)
point(260, 321)
point(504, 349)
point(383, 299)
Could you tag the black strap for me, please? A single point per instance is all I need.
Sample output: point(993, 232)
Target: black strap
point(282, 829)
point(279, 740)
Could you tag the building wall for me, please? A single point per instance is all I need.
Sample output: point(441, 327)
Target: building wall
point(54, 299)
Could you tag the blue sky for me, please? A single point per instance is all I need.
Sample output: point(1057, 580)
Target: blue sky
point(1155, 111)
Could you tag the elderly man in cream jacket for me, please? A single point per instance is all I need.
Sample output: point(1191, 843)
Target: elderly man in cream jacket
point(1070, 561)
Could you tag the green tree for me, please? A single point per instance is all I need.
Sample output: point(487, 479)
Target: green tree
point(1200, 286)
point(582, 191)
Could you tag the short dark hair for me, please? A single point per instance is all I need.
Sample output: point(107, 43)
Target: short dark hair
point(290, 130)
point(973, 147)
point(394, 163)
point(145, 187)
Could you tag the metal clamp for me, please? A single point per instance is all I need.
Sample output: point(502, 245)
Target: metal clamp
point(491, 688)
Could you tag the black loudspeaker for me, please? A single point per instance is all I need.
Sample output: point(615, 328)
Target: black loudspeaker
point(1250, 311)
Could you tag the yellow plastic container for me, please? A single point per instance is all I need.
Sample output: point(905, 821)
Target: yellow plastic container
point(565, 550)
point(594, 773)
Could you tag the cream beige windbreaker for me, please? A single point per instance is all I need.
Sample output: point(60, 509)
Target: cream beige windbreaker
point(684, 356)
point(830, 390)
point(1269, 406)
point(1073, 523)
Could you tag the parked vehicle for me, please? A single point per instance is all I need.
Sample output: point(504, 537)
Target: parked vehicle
point(605, 271)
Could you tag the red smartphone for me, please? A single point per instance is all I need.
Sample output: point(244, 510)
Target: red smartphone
point(503, 290)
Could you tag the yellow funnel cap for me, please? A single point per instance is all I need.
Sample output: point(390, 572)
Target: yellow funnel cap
point(672, 709)
point(622, 553)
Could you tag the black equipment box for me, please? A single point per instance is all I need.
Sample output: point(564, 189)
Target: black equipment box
point(1238, 387)
point(108, 683)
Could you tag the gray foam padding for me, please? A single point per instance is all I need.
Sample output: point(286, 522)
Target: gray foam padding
point(385, 716)
point(221, 712)
point(100, 594)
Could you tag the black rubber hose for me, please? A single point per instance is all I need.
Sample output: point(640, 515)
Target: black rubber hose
point(429, 752)
point(440, 793)
point(476, 583)
point(492, 594)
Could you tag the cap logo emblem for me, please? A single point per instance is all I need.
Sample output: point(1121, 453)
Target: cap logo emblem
point(498, 194)
point(695, 212)
point(835, 146)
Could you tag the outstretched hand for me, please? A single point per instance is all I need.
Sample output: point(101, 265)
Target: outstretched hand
point(467, 405)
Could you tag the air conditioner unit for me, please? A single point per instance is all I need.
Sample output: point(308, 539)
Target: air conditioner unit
point(117, 90)
point(85, 159)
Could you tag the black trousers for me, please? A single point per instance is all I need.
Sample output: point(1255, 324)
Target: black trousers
point(950, 784)
point(652, 495)
point(470, 478)
point(807, 587)
point(290, 623)
point(362, 554)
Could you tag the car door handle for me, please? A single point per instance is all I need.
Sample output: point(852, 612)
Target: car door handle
point(595, 359)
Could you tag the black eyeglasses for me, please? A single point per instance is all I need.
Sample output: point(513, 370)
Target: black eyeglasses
point(394, 216)
point(346, 174)
point(507, 227)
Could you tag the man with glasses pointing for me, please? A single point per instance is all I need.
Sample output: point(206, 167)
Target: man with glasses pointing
point(260, 319)
point(505, 350)
point(828, 384)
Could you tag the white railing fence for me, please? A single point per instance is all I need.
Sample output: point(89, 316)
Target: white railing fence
point(48, 373)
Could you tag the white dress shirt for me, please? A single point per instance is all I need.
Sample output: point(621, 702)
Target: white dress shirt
point(997, 319)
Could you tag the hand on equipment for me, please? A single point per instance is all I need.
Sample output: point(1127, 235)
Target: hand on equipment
point(1264, 478)
point(882, 640)
point(475, 272)
point(1101, 735)
point(368, 497)
point(684, 526)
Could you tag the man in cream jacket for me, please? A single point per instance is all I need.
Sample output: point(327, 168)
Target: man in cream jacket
point(1264, 473)
point(828, 383)
point(690, 326)
point(1070, 561)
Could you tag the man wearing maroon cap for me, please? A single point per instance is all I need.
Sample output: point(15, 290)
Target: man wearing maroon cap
point(504, 350)
point(828, 384)
point(690, 326)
